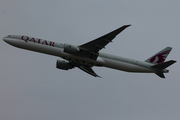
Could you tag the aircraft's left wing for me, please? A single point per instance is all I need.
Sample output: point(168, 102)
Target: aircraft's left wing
point(99, 43)
point(88, 70)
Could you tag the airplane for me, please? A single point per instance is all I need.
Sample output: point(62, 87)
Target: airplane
point(87, 55)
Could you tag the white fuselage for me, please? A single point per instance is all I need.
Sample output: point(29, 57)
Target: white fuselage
point(56, 49)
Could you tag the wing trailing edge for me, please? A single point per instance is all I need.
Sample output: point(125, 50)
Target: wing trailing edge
point(88, 70)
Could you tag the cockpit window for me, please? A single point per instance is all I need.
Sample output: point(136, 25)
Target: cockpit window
point(13, 36)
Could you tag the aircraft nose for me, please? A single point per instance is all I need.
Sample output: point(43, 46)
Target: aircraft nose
point(5, 39)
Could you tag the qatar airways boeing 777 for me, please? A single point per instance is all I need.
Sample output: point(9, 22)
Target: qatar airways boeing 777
point(87, 55)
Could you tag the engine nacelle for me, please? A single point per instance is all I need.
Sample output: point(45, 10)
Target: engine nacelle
point(70, 48)
point(61, 64)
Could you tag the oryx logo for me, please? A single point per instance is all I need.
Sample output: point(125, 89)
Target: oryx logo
point(159, 58)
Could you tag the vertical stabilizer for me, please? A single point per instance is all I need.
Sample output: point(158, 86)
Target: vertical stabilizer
point(160, 56)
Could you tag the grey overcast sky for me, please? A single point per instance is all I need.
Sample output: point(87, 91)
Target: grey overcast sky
point(31, 88)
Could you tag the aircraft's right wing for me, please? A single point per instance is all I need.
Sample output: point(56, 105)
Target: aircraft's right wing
point(102, 41)
point(92, 48)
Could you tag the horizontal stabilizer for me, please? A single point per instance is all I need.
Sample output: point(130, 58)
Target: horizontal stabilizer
point(160, 74)
point(163, 65)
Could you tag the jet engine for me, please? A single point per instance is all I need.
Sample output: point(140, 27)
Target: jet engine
point(71, 48)
point(61, 64)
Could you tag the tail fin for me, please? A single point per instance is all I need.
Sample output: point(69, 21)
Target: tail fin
point(160, 67)
point(160, 56)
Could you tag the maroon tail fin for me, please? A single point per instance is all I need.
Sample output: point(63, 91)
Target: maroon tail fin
point(159, 57)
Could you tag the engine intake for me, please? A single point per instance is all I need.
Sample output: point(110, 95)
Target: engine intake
point(61, 64)
point(70, 48)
